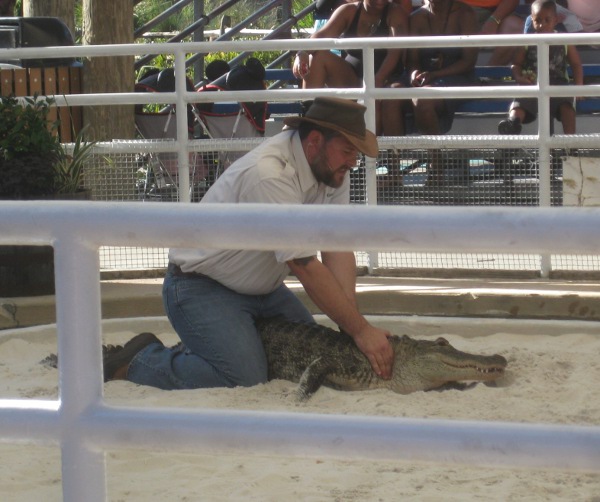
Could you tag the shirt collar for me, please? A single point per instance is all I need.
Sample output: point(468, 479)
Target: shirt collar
point(305, 175)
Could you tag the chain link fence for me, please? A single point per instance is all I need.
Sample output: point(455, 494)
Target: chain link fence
point(470, 177)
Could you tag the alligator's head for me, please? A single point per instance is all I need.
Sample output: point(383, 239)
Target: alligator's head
point(424, 365)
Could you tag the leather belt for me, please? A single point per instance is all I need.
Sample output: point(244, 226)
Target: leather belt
point(177, 272)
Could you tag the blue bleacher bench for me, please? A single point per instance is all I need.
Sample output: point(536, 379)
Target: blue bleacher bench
point(487, 75)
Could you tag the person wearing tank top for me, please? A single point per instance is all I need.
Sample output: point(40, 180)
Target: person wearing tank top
point(366, 18)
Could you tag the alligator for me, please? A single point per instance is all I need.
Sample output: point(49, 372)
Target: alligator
point(314, 355)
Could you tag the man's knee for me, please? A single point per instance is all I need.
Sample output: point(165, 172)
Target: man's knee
point(249, 375)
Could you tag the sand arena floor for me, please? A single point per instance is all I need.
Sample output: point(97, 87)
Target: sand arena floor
point(553, 377)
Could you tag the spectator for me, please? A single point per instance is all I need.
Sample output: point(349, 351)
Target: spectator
point(323, 11)
point(437, 67)
point(567, 21)
point(213, 297)
point(588, 13)
point(366, 18)
point(497, 17)
point(325, 8)
point(522, 111)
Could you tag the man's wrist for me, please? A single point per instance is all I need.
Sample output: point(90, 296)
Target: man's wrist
point(495, 19)
point(301, 54)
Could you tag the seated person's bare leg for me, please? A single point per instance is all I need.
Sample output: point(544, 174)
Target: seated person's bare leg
point(427, 122)
point(568, 118)
point(328, 69)
point(502, 56)
point(426, 115)
point(392, 116)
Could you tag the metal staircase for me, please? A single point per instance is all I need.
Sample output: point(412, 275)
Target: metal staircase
point(283, 15)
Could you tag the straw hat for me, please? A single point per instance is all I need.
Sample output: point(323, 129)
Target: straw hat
point(341, 115)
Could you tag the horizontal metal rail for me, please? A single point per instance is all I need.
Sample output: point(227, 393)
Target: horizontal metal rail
point(85, 427)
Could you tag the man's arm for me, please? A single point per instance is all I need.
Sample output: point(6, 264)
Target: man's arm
point(330, 297)
point(343, 267)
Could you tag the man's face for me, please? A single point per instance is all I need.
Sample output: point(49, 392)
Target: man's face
point(544, 20)
point(332, 160)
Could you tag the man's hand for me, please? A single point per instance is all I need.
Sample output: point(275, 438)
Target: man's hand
point(373, 342)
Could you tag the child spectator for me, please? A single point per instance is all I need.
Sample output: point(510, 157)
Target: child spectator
point(524, 70)
point(567, 21)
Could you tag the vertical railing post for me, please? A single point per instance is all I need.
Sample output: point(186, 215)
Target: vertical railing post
point(80, 365)
point(544, 132)
point(183, 157)
point(371, 122)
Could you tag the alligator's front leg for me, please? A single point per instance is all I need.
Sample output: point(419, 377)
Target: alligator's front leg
point(312, 378)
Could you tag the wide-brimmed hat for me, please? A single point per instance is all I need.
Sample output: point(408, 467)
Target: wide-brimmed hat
point(341, 115)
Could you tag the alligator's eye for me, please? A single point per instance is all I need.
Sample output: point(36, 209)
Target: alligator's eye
point(442, 341)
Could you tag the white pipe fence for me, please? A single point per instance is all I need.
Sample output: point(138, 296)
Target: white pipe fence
point(84, 427)
point(368, 93)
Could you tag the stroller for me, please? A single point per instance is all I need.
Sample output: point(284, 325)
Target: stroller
point(247, 120)
point(157, 176)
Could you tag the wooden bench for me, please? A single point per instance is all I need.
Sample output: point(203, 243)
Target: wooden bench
point(49, 82)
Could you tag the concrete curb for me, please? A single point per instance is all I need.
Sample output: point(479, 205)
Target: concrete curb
point(508, 299)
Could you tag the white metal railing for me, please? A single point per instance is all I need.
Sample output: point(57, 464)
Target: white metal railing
point(368, 93)
point(85, 427)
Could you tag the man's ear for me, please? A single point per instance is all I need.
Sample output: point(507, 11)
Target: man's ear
point(315, 138)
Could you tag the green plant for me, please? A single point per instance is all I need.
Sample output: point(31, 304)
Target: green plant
point(28, 148)
point(68, 169)
point(25, 128)
point(33, 163)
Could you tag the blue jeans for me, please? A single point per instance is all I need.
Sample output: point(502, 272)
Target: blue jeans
point(216, 325)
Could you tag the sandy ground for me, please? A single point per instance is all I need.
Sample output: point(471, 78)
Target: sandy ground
point(553, 376)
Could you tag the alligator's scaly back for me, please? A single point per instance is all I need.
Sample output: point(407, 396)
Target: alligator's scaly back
point(315, 355)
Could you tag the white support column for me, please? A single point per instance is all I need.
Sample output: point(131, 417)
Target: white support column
point(80, 366)
point(544, 127)
point(183, 157)
point(371, 123)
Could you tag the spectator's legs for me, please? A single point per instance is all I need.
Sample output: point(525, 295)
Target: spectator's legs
point(503, 55)
point(513, 124)
point(391, 112)
point(392, 118)
point(328, 69)
point(426, 115)
point(427, 121)
point(568, 118)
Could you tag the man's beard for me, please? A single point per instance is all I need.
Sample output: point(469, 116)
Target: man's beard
point(323, 171)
